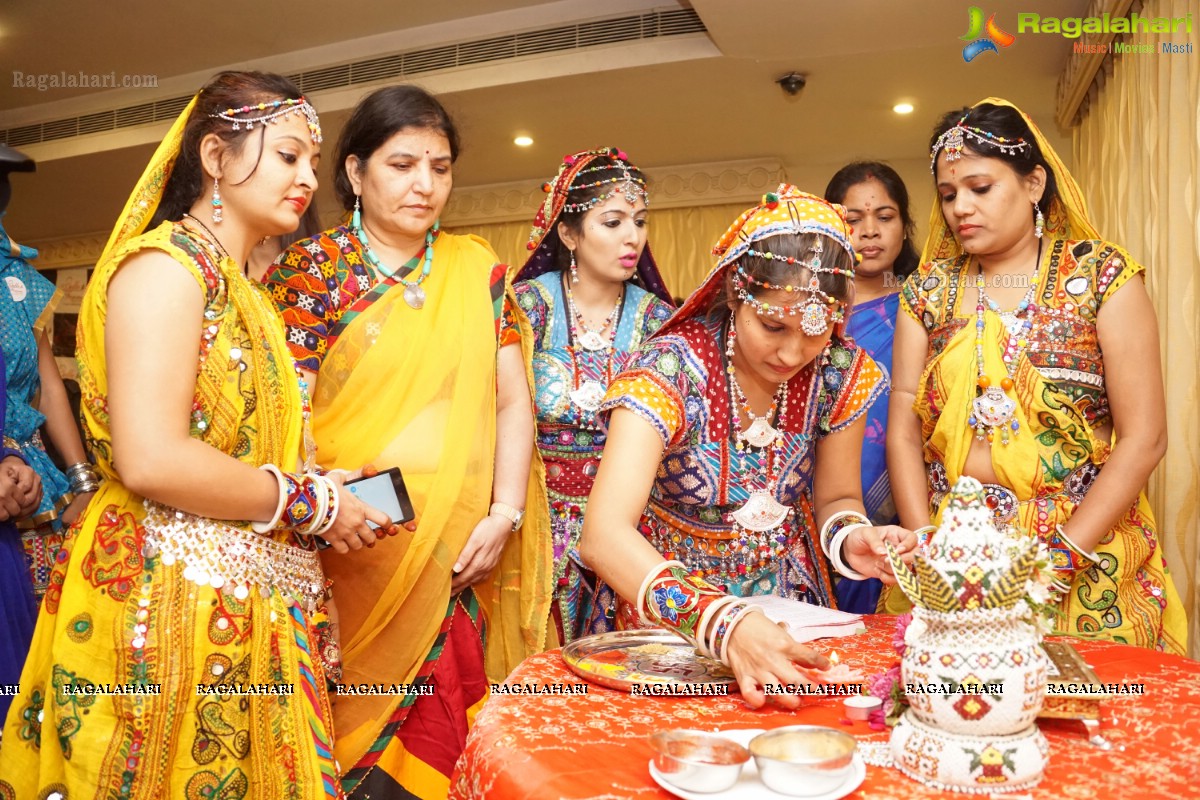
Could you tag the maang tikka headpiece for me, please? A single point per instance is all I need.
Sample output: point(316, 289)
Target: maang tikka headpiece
point(271, 112)
point(558, 191)
point(789, 211)
point(954, 141)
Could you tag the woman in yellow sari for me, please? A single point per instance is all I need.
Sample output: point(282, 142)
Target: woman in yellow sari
point(175, 652)
point(397, 324)
point(1027, 357)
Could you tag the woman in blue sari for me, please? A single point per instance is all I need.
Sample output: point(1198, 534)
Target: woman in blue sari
point(20, 493)
point(876, 202)
point(35, 397)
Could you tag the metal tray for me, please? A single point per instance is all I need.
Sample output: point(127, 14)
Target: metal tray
point(622, 659)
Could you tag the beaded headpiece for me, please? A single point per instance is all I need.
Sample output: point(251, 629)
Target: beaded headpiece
point(558, 191)
point(271, 112)
point(788, 210)
point(954, 140)
point(543, 236)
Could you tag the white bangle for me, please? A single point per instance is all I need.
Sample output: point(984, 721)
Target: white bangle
point(640, 601)
point(703, 634)
point(723, 656)
point(835, 553)
point(826, 545)
point(267, 527)
point(335, 501)
point(1092, 557)
point(322, 493)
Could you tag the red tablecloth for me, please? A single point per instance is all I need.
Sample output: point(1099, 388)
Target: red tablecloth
point(595, 745)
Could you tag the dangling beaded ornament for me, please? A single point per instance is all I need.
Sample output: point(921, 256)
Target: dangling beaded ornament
point(954, 142)
point(414, 295)
point(816, 311)
point(270, 113)
point(1039, 221)
point(761, 511)
point(217, 206)
point(993, 412)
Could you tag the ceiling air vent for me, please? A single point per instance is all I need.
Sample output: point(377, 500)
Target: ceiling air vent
point(399, 66)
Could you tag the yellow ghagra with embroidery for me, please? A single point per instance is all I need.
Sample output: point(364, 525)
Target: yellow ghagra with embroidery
point(143, 682)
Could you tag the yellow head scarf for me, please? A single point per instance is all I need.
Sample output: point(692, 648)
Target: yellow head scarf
point(148, 191)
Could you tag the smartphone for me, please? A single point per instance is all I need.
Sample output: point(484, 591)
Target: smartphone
point(385, 492)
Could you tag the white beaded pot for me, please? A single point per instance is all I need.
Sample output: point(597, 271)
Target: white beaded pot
point(983, 670)
point(971, 764)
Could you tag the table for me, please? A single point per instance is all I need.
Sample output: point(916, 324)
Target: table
point(595, 745)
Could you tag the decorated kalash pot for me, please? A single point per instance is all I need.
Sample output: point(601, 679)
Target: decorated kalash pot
point(974, 670)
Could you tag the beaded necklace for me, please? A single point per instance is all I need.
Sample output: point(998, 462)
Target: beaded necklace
point(992, 410)
point(761, 514)
point(588, 385)
point(593, 339)
point(414, 295)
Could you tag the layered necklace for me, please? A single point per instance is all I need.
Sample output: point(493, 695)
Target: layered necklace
point(587, 347)
point(414, 295)
point(761, 512)
point(993, 412)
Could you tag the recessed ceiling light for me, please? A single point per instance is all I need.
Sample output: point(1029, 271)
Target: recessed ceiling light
point(903, 108)
point(523, 141)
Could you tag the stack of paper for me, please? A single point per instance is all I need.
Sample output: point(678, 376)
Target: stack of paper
point(806, 622)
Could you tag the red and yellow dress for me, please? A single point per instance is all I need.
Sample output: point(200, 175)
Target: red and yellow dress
point(415, 389)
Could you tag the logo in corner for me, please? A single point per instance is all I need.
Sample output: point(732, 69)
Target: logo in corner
point(983, 37)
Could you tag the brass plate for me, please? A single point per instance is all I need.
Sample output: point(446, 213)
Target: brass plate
point(622, 659)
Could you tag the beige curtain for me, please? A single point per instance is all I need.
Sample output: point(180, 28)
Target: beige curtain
point(681, 239)
point(1137, 157)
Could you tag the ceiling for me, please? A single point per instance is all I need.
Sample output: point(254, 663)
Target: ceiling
point(696, 100)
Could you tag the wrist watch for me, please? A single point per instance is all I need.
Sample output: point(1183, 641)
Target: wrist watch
point(514, 515)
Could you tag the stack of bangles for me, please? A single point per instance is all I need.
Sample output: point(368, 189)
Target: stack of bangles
point(698, 611)
point(1066, 559)
point(83, 478)
point(308, 503)
point(834, 533)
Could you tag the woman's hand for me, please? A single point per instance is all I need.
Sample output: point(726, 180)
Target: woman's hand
point(482, 552)
point(77, 507)
point(350, 530)
point(864, 550)
point(761, 653)
point(20, 489)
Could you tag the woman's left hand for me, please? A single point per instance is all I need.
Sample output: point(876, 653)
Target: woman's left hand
point(481, 553)
point(864, 550)
point(77, 507)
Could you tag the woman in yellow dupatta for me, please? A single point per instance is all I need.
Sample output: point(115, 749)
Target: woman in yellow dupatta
point(1027, 357)
point(174, 655)
point(398, 325)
